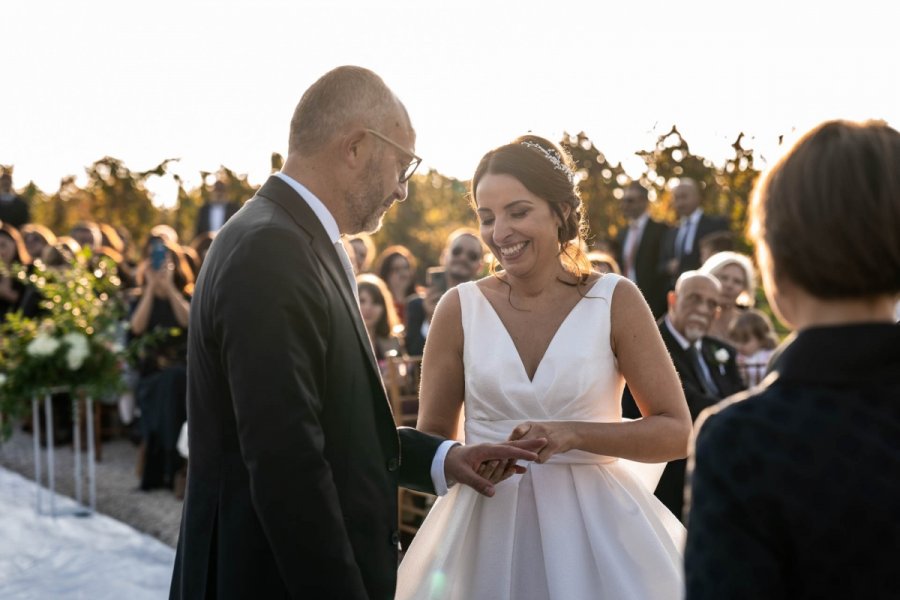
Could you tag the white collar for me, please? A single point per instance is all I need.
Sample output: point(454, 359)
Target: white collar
point(320, 210)
point(694, 216)
point(682, 341)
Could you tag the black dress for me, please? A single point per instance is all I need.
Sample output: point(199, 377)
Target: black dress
point(161, 395)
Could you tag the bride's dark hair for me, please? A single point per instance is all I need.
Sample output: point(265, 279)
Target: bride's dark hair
point(547, 172)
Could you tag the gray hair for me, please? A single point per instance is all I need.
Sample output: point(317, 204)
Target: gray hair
point(692, 275)
point(342, 96)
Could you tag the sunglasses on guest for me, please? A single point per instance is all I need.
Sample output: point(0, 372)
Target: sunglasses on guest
point(472, 255)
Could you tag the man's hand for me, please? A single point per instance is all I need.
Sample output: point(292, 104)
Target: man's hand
point(477, 465)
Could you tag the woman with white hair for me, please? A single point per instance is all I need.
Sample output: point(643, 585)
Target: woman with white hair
point(736, 274)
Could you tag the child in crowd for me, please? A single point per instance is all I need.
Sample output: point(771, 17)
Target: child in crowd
point(754, 338)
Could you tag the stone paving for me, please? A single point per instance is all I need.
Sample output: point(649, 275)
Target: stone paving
point(157, 513)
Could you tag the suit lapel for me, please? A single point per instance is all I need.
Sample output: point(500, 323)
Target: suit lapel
point(284, 196)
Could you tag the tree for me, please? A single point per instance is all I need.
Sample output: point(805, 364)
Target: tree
point(435, 207)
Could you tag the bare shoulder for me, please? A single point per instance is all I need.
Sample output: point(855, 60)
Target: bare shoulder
point(626, 296)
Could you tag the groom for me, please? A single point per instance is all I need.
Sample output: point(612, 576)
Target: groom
point(294, 457)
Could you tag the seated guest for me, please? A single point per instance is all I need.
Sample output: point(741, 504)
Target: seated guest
point(737, 277)
point(794, 487)
point(363, 252)
point(707, 368)
point(377, 309)
point(462, 260)
point(715, 242)
point(161, 310)
point(88, 235)
point(62, 254)
point(15, 295)
point(37, 237)
point(396, 266)
point(753, 335)
point(603, 262)
point(201, 245)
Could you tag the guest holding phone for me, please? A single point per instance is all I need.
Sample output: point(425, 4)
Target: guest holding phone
point(462, 260)
point(161, 311)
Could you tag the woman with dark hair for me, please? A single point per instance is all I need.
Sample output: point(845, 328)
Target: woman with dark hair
point(541, 350)
point(794, 490)
point(14, 294)
point(377, 308)
point(396, 266)
point(160, 314)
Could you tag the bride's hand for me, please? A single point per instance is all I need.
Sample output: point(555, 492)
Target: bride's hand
point(560, 436)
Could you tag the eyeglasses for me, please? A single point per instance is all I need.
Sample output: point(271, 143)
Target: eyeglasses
point(472, 255)
point(410, 168)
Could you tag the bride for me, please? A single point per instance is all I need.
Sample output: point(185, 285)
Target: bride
point(541, 349)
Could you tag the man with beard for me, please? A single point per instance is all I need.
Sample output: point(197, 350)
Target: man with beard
point(295, 460)
point(463, 260)
point(707, 367)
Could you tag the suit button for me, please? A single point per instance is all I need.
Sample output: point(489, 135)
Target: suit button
point(393, 465)
point(395, 539)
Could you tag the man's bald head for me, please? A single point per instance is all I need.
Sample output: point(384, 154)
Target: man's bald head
point(344, 97)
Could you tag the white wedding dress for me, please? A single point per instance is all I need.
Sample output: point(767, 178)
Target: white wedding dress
point(581, 526)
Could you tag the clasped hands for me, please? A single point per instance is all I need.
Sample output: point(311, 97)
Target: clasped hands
point(480, 466)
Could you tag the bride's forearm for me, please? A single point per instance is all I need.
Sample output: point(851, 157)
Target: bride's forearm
point(655, 438)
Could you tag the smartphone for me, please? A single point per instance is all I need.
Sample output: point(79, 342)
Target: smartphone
point(436, 277)
point(157, 254)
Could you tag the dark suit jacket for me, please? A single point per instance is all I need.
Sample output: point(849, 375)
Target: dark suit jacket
point(690, 261)
point(727, 378)
point(203, 216)
point(294, 457)
point(794, 484)
point(15, 212)
point(652, 280)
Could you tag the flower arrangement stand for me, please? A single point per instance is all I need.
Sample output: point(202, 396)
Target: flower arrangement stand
point(81, 510)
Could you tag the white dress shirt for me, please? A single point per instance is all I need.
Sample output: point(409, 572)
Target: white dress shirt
point(334, 234)
point(687, 231)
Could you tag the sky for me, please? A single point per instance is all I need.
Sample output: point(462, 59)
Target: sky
point(215, 82)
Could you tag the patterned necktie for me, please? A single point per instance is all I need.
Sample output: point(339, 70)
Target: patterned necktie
point(703, 374)
point(348, 268)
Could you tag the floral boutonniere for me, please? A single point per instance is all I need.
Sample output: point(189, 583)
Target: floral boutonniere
point(722, 356)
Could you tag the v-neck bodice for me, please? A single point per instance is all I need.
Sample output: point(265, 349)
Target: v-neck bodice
point(576, 379)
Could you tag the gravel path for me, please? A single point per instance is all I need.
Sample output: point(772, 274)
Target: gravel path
point(157, 513)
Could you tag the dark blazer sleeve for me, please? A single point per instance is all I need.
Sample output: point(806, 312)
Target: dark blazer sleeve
point(274, 352)
point(729, 553)
point(417, 450)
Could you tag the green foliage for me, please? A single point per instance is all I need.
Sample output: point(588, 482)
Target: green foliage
point(73, 343)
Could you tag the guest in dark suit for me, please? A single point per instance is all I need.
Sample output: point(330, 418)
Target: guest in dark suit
point(294, 456)
point(707, 367)
point(681, 248)
point(463, 260)
point(639, 247)
point(13, 207)
point(794, 487)
point(215, 212)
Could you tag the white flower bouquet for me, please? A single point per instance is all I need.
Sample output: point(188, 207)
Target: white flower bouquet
point(73, 342)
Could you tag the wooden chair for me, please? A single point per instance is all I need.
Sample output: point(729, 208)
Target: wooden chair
point(402, 375)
